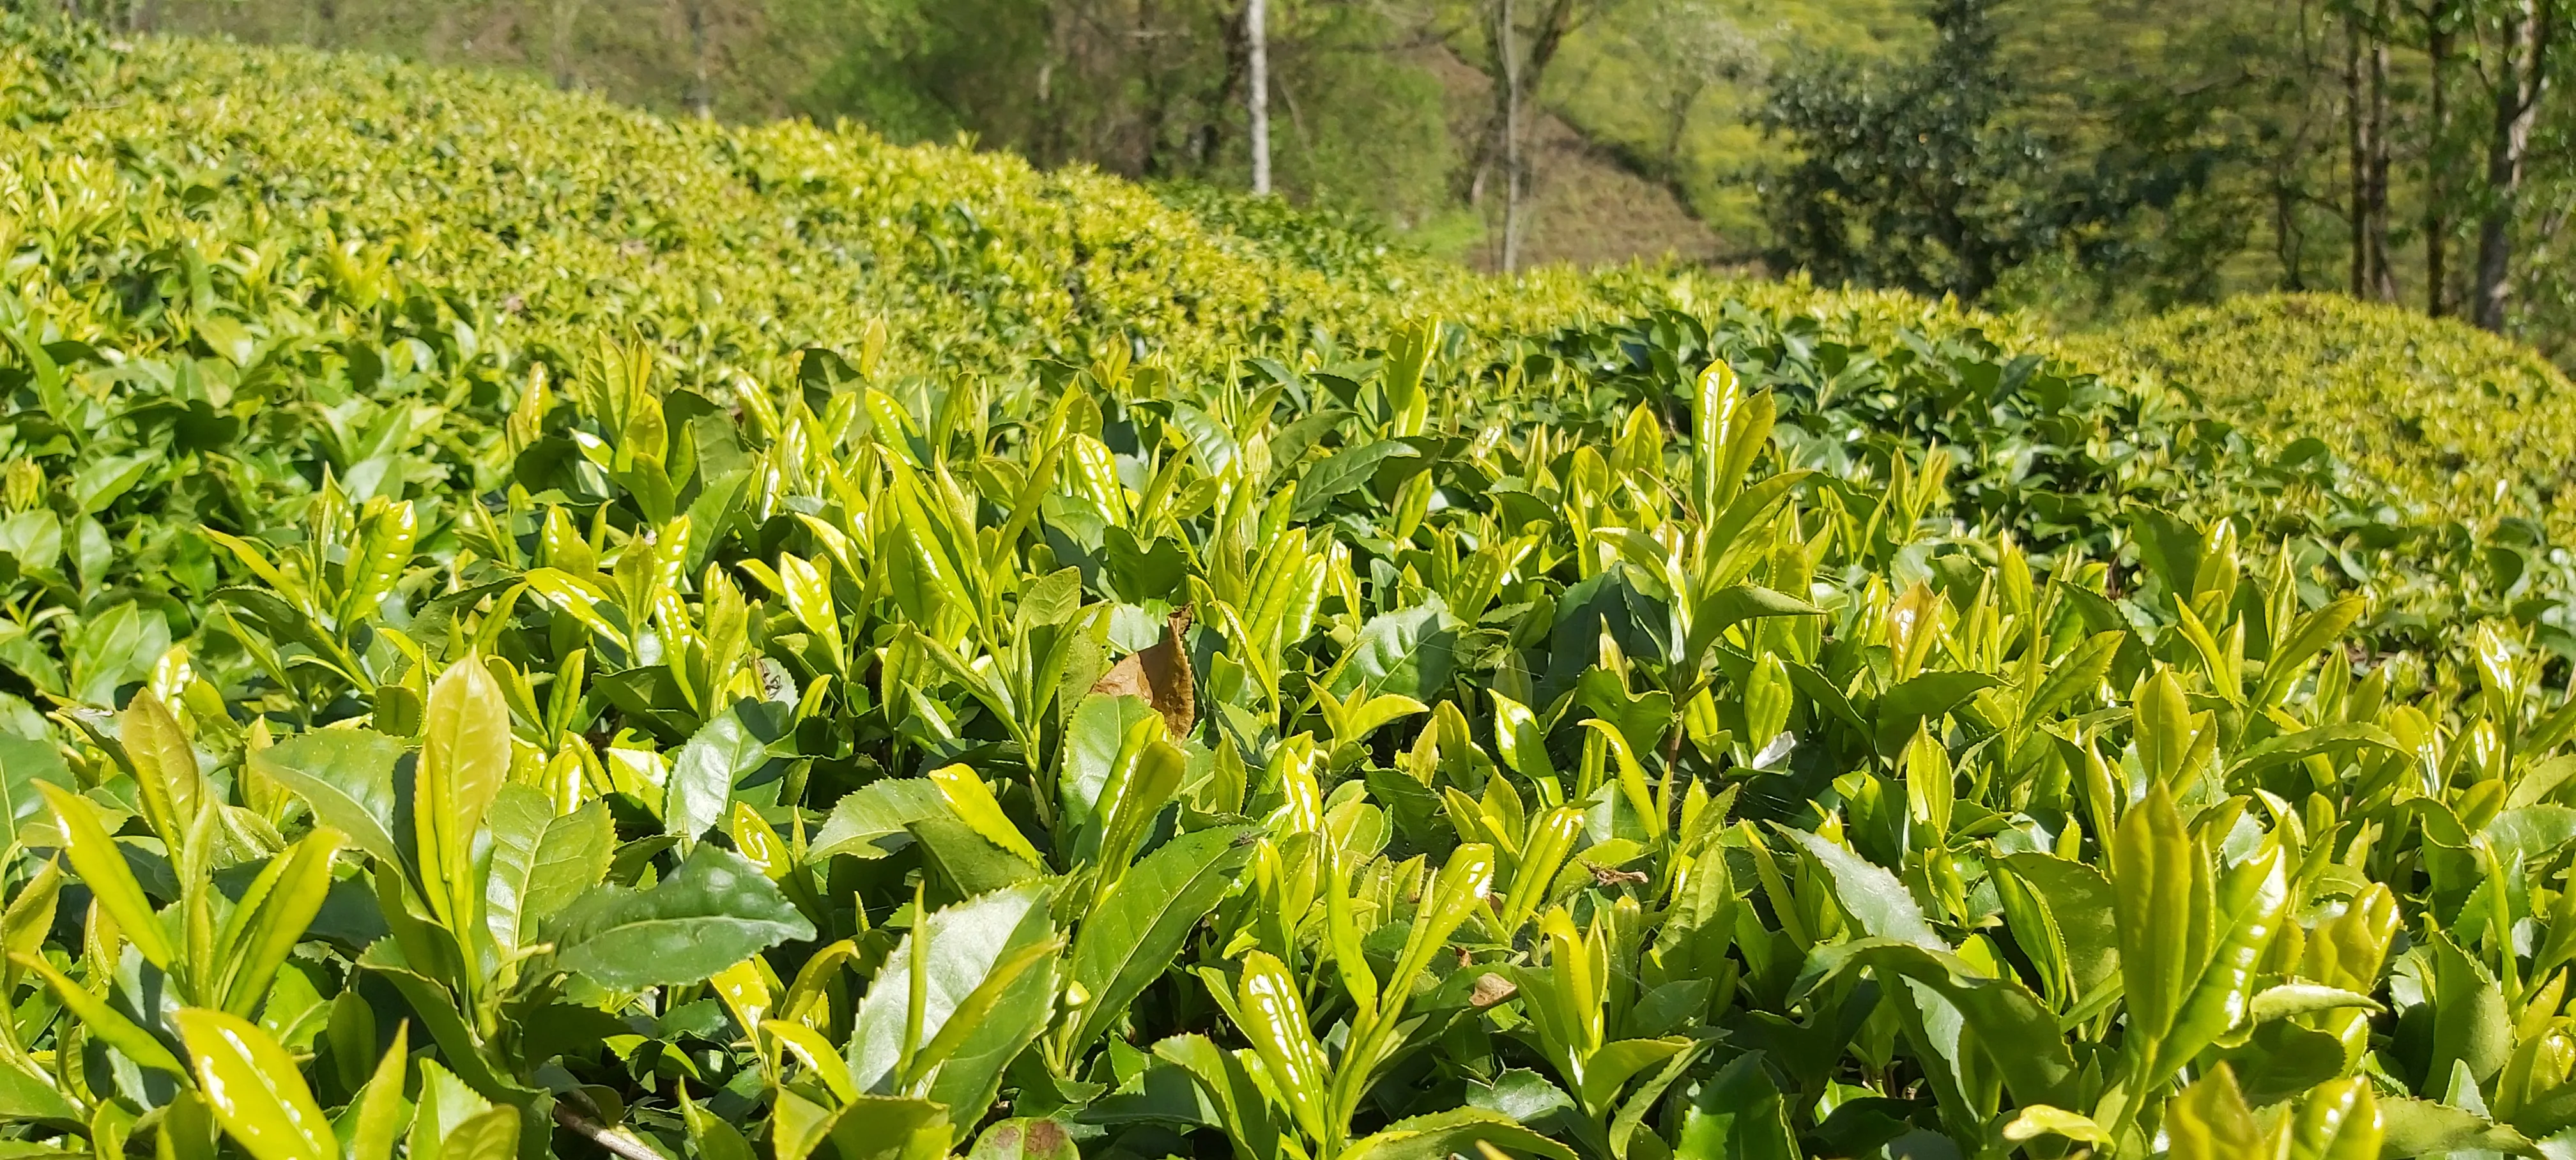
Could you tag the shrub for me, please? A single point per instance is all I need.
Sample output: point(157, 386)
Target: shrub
point(2442, 410)
point(540, 630)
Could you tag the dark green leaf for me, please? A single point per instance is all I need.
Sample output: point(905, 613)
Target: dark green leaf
point(1131, 938)
point(714, 911)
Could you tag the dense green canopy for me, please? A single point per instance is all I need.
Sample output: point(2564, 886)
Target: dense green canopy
point(533, 628)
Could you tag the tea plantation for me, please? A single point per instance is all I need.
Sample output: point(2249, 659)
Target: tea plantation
point(531, 629)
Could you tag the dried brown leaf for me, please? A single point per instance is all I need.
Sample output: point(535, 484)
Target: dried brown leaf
point(1159, 673)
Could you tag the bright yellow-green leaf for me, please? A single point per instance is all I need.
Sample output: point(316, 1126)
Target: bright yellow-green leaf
point(1274, 1017)
point(257, 1092)
point(100, 862)
point(975, 805)
point(101, 1021)
point(465, 757)
point(165, 766)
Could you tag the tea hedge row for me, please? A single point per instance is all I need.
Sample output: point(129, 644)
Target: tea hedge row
point(480, 685)
point(1084, 769)
point(2448, 413)
point(360, 232)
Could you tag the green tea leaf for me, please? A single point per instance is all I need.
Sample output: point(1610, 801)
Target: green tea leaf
point(165, 765)
point(27, 1097)
point(379, 1106)
point(101, 1021)
point(1131, 938)
point(1874, 898)
point(703, 776)
point(465, 756)
point(1342, 471)
point(714, 911)
point(891, 1128)
point(1441, 1135)
point(1274, 1018)
point(872, 822)
point(1738, 1114)
point(2210, 1121)
point(966, 942)
point(255, 1089)
point(347, 776)
point(100, 862)
point(974, 804)
point(273, 917)
point(24, 765)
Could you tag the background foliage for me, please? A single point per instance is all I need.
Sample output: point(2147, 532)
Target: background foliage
point(2140, 156)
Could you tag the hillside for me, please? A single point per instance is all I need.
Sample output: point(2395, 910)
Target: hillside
point(529, 630)
point(764, 239)
point(490, 228)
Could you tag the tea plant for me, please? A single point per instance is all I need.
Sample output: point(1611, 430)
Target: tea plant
point(774, 786)
point(2452, 414)
point(1091, 685)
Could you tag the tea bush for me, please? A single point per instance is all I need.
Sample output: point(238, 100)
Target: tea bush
point(2448, 412)
point(531, 629)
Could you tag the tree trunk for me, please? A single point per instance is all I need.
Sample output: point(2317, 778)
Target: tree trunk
point(2383, 280)
point(1676, 123)
point(1157, 92)
point(1210, 140)
point(2518, 92)
point(1256, 43)
point(1518, 80)
point(1049, 141)
point(2356, 163)
point(2437, 210)
point(2287, 240)
point(702, 96)
point(565, 14)
point(1507, 56)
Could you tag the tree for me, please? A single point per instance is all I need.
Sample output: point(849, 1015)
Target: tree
point(2441, 30)
point(1256, 47)
point(2365, 80)
point(701, 98)
point(1521, 48)
point(562, 17)
point(2520, 80)
point(1917, 178)
point(1682, 49)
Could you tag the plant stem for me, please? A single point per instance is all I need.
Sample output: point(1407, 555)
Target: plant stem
point(618, 1141)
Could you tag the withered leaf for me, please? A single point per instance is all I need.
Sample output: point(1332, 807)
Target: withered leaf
point(1159, 673)
point(1613, 876)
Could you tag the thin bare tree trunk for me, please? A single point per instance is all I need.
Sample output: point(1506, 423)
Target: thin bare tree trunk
point(2356, 161)
point(1208, 141)
point(565, 13)
point(2383, 280)
point(1048, 142)
point(2287, 173)
point(1676, 123)
point(1509, 57)
point(2437, 209)
point(2518, 92)
point(1256, 38)
point(702, 97)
